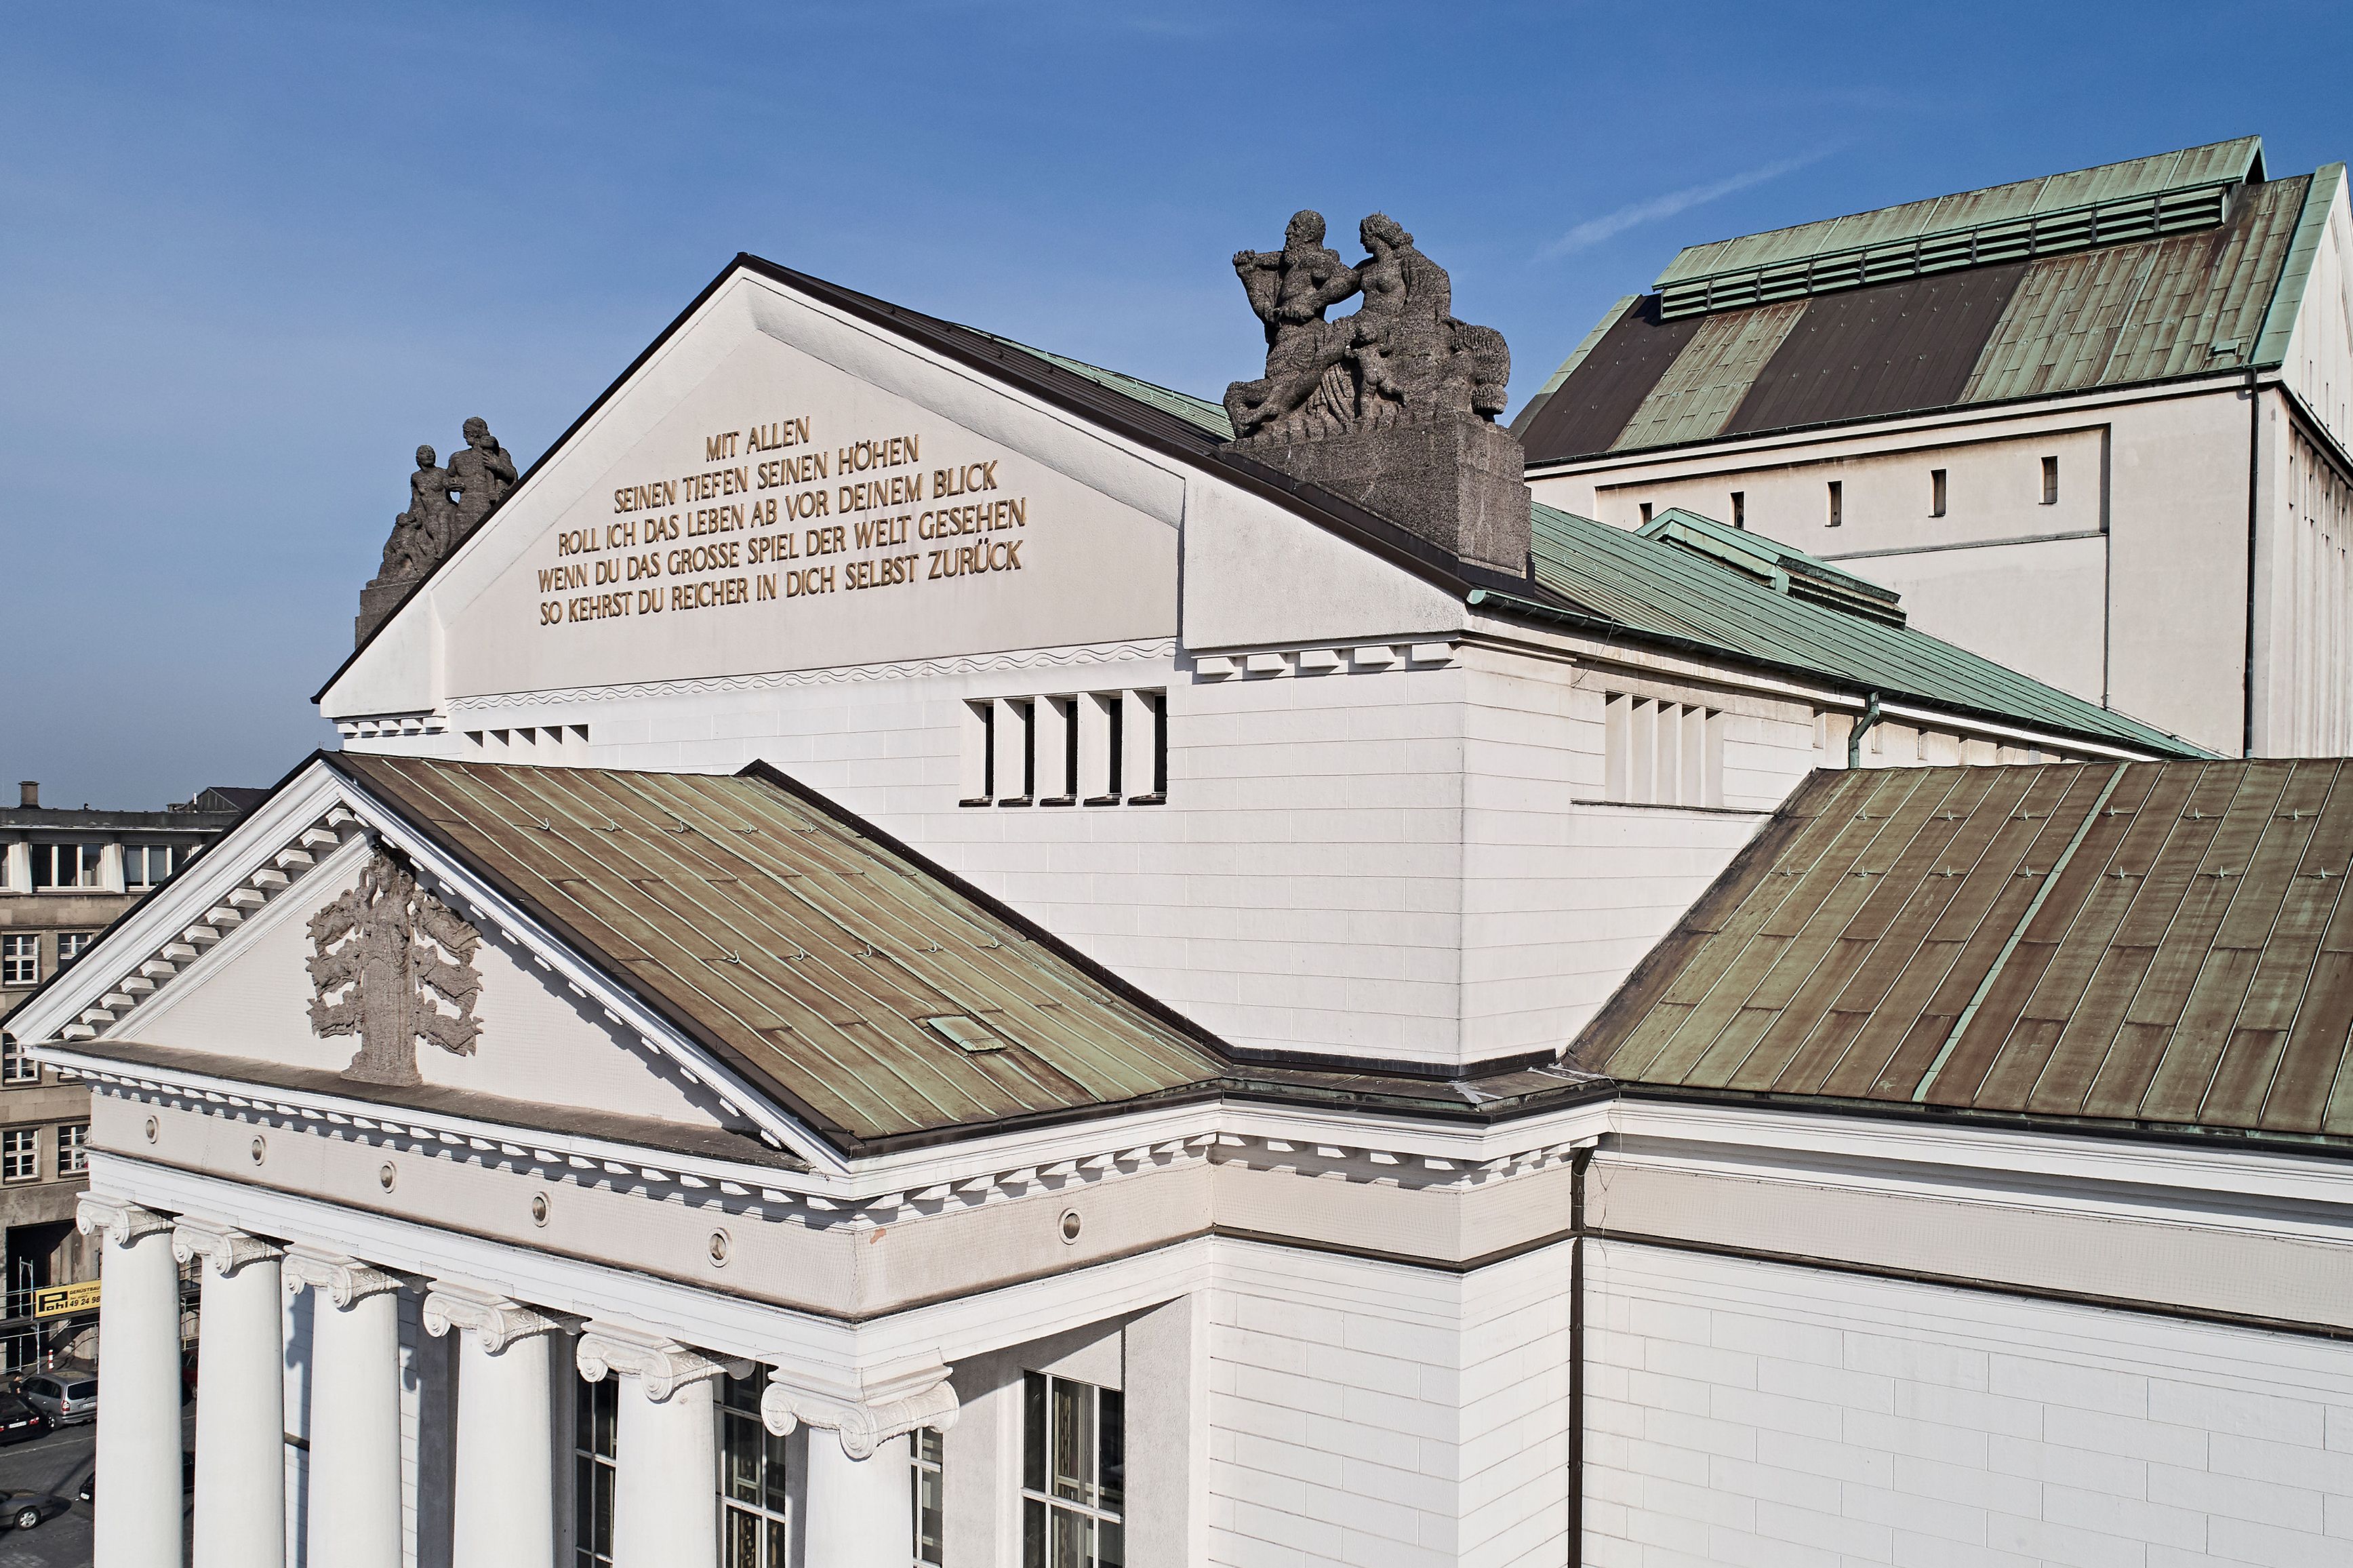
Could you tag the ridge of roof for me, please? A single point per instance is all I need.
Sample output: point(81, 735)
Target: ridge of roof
point(1210, 416)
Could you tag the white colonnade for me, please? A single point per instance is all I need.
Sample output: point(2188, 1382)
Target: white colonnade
point(666, 1503)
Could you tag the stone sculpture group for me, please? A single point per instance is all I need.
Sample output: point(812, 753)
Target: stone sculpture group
point(1402, 356)
point(444, 505)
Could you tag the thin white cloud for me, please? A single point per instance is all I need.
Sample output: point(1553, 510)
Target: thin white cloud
point(1594, 230)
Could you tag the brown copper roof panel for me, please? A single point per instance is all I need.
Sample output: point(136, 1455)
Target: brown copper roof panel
point(808, 949)
point(2164, 944)
point(1586, 412)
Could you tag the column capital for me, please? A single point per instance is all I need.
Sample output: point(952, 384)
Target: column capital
point(118, 1218)
point(661, 1366)
point(346, 1280)
point(225, 1248)
point(888, 1403)
point(495, 1321)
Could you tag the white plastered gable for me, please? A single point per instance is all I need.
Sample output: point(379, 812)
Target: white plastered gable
point(1098, 564)
point(216, 965)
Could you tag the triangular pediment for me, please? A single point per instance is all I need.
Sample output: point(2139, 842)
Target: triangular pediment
point(220, 973)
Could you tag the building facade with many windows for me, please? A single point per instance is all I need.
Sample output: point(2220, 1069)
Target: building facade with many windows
point(65, 873)
point(913, 958)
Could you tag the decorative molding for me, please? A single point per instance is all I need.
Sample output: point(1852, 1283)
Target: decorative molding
point(345, 1280)
point(661, 1366)
point(892, 1403)
point(495, 1321)
point(118, 1219)
point(1075, 657)
point(386, 955)
point(223, 1250)
point(1356, 659)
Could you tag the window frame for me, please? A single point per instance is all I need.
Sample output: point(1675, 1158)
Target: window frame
point(927, 1479)
point(20, 1144)
point(16, 1067)
point(73, 1148)
point(769, 1514)
point(82, 942)
point(20, 948)
point(596, 1426)
point(1100, 1501)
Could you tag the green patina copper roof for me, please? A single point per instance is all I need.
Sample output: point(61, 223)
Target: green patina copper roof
point(1200, 411)
point(1827, 322)
point(1656, 586)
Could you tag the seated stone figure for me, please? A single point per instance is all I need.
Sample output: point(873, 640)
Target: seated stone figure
point(1290, 289)
point(420, 534)
point(481, 474)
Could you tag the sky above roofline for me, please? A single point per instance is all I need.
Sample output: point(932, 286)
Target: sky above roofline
point(259, 252)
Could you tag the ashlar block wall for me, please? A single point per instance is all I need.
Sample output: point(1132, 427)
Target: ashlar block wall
point(1776, 1416)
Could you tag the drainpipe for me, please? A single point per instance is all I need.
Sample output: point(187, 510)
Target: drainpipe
point(1871, 717)
point(1576, 1305)
point(2247, 680)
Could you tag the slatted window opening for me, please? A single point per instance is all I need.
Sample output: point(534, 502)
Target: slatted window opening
point(1662, 753)
point(1083, 749)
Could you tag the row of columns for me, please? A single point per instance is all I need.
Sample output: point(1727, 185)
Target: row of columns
point(503, 1508)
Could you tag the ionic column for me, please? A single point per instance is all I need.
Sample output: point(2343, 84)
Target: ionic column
point(859, 1509)
point(354, 1512)
point(138, 1523)
point(666, 1450)
point(503, 1515)
point(241, 1399)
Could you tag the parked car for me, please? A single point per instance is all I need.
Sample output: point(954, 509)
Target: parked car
point(19, 1420)
point(26, 1510)
point(62, 1400)
point(89, 1492)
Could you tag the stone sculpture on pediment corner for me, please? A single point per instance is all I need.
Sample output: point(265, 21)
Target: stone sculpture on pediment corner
point(394, 965)
point(445, 503)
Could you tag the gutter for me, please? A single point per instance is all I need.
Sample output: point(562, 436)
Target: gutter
point(2247, 674)
point(1862, 727)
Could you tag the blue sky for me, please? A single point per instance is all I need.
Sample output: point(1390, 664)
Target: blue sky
point(254, 255)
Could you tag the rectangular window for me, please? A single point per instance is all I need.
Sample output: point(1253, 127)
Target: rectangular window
point(1073, 1475)
point(20, 960)
point(1935, 492)
point(923, 1454)
point(73, 1148)
point(16, 1067)
point(754, 1512)
point(2049, 481)
point(1094, 748)
point(1740, 508)
point(64, 865)
point(1146, 733)
point(20, 1154)
point(72, 944)
point(979, 759)
point(1661, 753)
point(1646, 511)
point(1838, 504)
point(596, 1417)
point(145, 866)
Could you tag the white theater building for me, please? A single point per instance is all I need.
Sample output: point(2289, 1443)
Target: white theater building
point(909, 962)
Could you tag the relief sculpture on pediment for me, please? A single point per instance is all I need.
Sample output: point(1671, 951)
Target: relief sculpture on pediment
point(394, 965)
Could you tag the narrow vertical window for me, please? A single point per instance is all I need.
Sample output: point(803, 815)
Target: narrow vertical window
point(1935, 492)
point(596, 1411)
point(756, 1513)
point(1099, 739)
point(978, 762)
point(1646, 511)
point(1073, 1475)
point(1740, 508)
point(2049, 481)
point(1144, 736)
point(925, 1456)
point(1013, 777)
point(1618, 747)
point(1056, 749)
point(1838, 503)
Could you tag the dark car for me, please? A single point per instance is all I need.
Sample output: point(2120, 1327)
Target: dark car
point(89, 1492)
point(64, 1399)
point(19, 1420)
point(24, 1510)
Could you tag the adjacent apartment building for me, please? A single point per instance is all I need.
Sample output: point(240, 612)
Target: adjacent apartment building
point(65, 873)
point(2093, 424)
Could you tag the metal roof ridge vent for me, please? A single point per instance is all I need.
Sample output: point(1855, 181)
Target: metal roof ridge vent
point(1786, 570)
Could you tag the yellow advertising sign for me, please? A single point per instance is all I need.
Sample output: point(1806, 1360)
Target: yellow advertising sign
point(55, 1300)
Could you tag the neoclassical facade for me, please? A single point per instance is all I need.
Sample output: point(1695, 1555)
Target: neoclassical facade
point(910, 958)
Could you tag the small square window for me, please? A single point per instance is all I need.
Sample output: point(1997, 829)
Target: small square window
point(1646, 511)
point(146, 866)
point(16, 1067)
point(20, 960)
point(72, 944)
point(20, 1154)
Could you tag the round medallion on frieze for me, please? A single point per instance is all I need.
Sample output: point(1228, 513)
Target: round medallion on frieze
point(260, 1149)
point(151, 1129)
point(539, 1208)
point(387, 1176)
point(1069, 1226)
point(720, 1248)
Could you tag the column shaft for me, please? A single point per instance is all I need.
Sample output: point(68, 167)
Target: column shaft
point(138, 1515)
point(861, 1511)
point(504, 1514)
point(666, 1485)
point(241, 1420)
point(355, 1433)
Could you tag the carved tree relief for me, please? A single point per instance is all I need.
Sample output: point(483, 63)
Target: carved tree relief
point(394, 965)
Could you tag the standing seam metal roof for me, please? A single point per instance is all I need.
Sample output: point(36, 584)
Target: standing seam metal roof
point(2160, 944)
point(802, 944)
